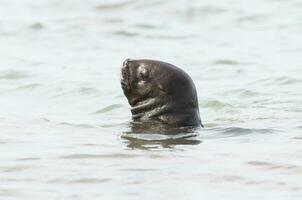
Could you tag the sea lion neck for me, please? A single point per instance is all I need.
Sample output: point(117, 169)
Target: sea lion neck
point(145, 106)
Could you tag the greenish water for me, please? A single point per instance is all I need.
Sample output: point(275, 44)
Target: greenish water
point(65, 124)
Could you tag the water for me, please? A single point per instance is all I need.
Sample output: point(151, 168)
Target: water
point(65, 122)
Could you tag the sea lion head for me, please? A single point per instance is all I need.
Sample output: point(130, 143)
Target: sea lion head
point(159, 91)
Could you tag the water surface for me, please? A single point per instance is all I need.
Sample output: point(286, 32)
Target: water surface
point(65, 122)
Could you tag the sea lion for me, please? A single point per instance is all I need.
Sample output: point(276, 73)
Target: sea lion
point(160, 93)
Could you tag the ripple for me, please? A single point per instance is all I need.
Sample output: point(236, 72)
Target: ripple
point(139, 169)
point(18, 180)
point(252, 18)
point(113, 125)
point(9, 192)
point(287, 81)
point(147, 26)
point(119, 96)
point(249, 93)
point(205, 10)
point(36, 26)
point(171, 37)
point(12, 75)
point(237, 131)
point(28, 86)
point(87, 90)
point(113, 21)
point(114, 6)
point(108, 108)
point(28, 159)
point(99, 156)
point(126, 33)
point(233, 178)
point(88, 181)
point(110, 125)
point(276, 166)
point(149, 4)
point(210, 124)
point(225, 62)
point(214, 104)
point(202, 11)
point(78, 91)
point(76, 125)
point(2, 142)
point(244, 93)
point(16, 168)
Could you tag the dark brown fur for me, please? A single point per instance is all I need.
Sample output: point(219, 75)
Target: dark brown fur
point(160, 92)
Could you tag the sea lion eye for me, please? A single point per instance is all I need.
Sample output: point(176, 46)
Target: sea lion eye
point(143, 74)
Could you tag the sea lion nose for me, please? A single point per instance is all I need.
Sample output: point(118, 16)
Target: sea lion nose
point(127, 62)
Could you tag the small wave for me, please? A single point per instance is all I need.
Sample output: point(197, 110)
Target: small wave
point(28, 159)
point(108, 108)
point(252, 18)
point(76, 125)
point(113, 125)
point(16, 168)
point(211, 10)
point(249, 93)
point(203, 11)
point(287, 80)
point(12, 75)
point(87, 90)
point(292, 50)
point(88, 180)
point(210, 124)
point(78, 91)
point(171, 37)
point(126, 33)
point(139, 169)
point(99, 156)
point(119, 96)
point(244, 93)
point(214, 104)
point(28, 86)
point(146, 26)
point(282, 80)
point(114, 6)
point(10, 193)
point(226, 62)
point(113, 21)
point(276, 166)
point(17, 180)
point(149, 4)
point(236, 131)
point(36, 26)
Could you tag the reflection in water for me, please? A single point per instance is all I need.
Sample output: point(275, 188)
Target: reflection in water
point(154, 135)
point(225, 132)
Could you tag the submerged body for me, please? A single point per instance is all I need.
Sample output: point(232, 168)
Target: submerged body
point(160, 93)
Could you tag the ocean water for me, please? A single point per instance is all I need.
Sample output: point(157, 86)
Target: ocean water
point(64, 120)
